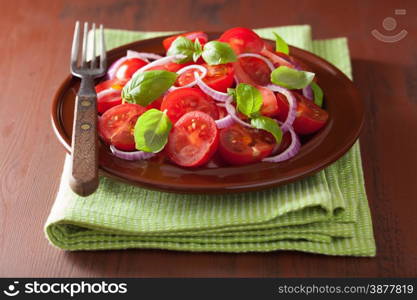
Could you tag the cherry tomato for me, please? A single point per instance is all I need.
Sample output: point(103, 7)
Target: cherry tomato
point(240, 145)
point(193, 140)
point(269, 102)
point(285, 143)
point(256, 69)
point(242, 40)
point(116, 125)
point(181, 101)
point(111, 83)
point(219, 77)
point(107, 99)
point(201, 36)
point(309, 117)
point(126, 70)
point(155, 104)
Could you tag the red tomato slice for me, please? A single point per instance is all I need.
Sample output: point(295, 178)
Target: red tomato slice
point(107, 99)
point(285, 143)
point(193, 140)
point(309, 117)
point(269, 102)
point(219, 77)
point(116, 125)
point(239, 145)
point(111, 83)
point(126, 70)
point(201, 36)
point(242, 40)
point(155, 104)
point(256, 69)
point(181, 101)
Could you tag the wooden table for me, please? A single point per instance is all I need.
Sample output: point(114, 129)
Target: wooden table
point(35, 40)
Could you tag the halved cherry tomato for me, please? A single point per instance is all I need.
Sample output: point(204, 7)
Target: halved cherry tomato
point(269, 102)
point(193, 140)
point(155, 104)
point(111, 83)
point(219, 77)
point(116, 125)
point(309, 117)
point(239, 145)
point(107, 99)
point(126, 70)
point(256, 69)
point(201, 36)
point(181, 101)
point(242, 40)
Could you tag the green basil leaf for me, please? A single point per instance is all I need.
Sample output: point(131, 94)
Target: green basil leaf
point(248, 98)
point(216, 53)
point(231, 92)
point(198, 50)
point(268, 124)
point(151, 131)
point(318, 93)
point(184, 46)
point(291, 78)
point(280, 44)
point(147, 86)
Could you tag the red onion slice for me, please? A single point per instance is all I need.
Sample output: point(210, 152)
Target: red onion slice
point(219, 96)
point(292, 102)
point(276, 59)
point(265, 60)
point(224, 122)
point(111, 72)
point(308, 92)
point(193, 83)
point(231, 110)
point(109, 91)
point(135, 155)
point(291, 151)
point(159, 62)
point(143, 55)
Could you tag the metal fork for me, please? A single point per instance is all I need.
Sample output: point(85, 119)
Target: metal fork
point(84, 174)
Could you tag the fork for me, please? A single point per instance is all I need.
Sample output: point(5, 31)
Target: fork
point(84, 147)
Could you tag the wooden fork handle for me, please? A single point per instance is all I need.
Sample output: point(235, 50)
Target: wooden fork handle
point(84, 174)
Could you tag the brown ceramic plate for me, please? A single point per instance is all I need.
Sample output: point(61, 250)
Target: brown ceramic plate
point(342, 130)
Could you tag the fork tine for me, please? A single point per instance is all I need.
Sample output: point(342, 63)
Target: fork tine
point(103, 59)
point(84, 54)
point(93, 47)
point(75, 45)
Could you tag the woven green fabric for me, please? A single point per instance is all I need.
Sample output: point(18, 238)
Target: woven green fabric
point(326, 213)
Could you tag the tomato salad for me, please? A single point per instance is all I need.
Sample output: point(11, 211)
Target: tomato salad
point(237, 98)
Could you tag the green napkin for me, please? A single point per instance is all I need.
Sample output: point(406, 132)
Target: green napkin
point(326, 213)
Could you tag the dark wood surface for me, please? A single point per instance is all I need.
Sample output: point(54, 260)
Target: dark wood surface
point(35, 41)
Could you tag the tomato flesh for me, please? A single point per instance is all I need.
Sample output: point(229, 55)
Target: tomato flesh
point(256, 69)
point(201, 36)
point(219, 77)
point(239, 145)
point(105, 101)
point(309, 117)
point(116, 125)
point(170, 67)
point(193, 140)
point(242, 40)
point(183, 100)
point(126, 70)
point(107, 84)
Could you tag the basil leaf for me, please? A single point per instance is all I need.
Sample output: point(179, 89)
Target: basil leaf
point(291, 78)
point(184, 46)
point(248, 98)
point(280, 44)
point(231, 92)
point(216, 53)
point(198, 50)
point(318, 93)
point(147, 86)
point(151, 131)
point(269, 125)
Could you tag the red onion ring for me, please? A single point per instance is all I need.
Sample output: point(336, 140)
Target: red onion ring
point(276, 59)
point(135, 155)
point(111, 72)
point(143, 55)
point(291, 151)
point(292, 102)
point(265, 60)
point(308, 92)
point(231, 110)
point(224, 122)
point(109, 91)
point(193, 83)
point(159, 62)
point(219, 96)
